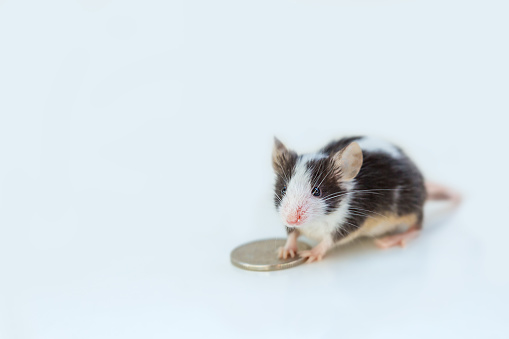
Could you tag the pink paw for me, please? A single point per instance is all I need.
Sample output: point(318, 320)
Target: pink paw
point(397, 239)
point(312, 255)
point(387, 243)
point(286, 252)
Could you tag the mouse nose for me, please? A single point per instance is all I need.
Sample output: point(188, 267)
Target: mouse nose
point(296, 218)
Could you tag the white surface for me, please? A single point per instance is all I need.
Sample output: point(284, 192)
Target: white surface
point(135, 142)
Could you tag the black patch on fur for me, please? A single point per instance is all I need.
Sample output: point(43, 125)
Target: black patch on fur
point(289, 230)
point(338, 145)
point(384, 184)
point(284, 168)
point(325, 175)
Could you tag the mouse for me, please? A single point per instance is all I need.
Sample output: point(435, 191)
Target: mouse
point(353, 187)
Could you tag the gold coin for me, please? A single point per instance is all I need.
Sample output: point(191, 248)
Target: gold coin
point(262, 255)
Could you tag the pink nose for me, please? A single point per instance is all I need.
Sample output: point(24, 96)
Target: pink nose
point(296, 218)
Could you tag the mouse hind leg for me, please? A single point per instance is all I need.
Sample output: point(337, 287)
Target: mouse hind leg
point(401, 238)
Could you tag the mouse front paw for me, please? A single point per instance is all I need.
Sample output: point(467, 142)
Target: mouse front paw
point(286, 252)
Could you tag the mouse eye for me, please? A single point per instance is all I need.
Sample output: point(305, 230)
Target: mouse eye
point(283, 190)
point(316, 192)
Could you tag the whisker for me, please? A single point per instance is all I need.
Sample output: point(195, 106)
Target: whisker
point(349, 223)
point(319, 175)
point(372, 191)
point(325, 176)
point(331, 197)
point(376, 189)
point(361, 209)
point(359, 215)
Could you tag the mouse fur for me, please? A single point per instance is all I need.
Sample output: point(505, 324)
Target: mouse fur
point(352, 187)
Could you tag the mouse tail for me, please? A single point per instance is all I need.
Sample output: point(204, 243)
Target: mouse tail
point(443, 193)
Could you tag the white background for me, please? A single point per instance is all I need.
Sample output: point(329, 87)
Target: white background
point(135, 142)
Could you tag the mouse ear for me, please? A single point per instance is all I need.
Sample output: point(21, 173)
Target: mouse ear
point(280, 155)
point(349, 161)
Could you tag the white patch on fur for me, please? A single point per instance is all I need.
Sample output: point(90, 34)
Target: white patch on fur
point(371, 144)
point(327, 224)
point(297, 191)
point(312, 156)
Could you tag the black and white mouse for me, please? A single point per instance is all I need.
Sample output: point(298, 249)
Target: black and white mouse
point(353, 187)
